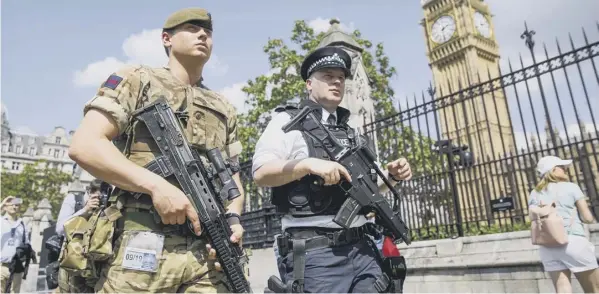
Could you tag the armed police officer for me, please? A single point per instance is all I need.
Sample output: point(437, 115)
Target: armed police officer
point(175, 260)
point(332, 259)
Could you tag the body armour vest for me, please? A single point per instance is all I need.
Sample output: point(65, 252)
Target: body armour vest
point(303, 197)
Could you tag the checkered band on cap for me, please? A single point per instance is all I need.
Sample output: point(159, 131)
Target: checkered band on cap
point(327, 60)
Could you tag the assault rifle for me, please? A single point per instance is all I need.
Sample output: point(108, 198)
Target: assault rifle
point(359, 162)
point(184, 163)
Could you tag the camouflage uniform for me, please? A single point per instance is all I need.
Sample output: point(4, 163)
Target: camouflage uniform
point(183, 264)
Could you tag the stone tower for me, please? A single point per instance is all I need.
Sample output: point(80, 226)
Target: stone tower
point(357, 89)
point(462, 51)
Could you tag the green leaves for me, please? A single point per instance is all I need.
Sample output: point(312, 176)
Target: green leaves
point(34, 183)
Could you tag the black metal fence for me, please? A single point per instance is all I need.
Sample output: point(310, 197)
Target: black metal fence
point(474, 140)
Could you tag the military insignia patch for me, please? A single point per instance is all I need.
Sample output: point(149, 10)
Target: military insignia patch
point(112, 82)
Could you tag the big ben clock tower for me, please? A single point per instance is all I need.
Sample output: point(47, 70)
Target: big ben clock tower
point(462, 51)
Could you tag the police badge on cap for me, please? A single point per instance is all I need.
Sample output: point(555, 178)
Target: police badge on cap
point(326, 57)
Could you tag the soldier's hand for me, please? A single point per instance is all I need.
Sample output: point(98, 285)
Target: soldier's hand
point(174, 207)
point(330, 171)
point(236, 237)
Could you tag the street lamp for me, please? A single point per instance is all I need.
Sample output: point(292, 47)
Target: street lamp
point(464, 159)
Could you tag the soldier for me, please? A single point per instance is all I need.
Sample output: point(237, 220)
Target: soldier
point(333, 259)
point(181, 262)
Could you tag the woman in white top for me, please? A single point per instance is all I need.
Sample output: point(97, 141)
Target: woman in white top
point(578, 256)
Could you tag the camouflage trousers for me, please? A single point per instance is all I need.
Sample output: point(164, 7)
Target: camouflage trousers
point(183, 267)
point(70, 283)
point(181, 262)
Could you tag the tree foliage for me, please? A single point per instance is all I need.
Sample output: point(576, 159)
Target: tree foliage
point(36, 182)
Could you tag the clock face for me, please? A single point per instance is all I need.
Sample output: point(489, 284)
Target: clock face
point(482, 24)
point(442, 29)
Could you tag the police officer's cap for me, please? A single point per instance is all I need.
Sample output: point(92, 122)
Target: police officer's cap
point(326, 57)
point(199, 16)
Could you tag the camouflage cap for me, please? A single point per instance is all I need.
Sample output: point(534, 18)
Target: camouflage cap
point(198, 16)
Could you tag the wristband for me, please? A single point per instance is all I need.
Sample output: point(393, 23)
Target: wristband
point(233, 218)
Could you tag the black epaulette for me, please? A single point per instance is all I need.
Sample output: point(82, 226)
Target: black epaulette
point(287, 106)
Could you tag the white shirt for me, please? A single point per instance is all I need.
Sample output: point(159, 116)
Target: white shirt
point(12, 237)
point(274, 144)
point(67, 211)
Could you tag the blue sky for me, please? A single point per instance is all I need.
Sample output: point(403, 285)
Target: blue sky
point(56, 53)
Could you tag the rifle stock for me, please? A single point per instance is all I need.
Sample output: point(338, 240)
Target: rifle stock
point(180, 160)
point(359, 162)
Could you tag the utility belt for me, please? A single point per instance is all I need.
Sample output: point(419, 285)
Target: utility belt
point(300, 240)
point(315, 238)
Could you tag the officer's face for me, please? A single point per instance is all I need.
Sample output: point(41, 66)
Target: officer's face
point(189, 40)
point(327, 86)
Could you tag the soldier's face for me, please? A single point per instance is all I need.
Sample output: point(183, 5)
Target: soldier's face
point(189, 40)
point(327, 86)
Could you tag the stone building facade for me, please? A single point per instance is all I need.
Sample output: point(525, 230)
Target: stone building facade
point(21, 146)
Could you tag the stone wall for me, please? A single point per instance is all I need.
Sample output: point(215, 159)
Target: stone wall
point(499, 263)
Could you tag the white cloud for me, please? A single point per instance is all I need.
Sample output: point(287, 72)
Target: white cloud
point(236, 96)
point(145, 48)
point(322, 25)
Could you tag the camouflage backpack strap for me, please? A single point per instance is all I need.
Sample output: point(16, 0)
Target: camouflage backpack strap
point(125, 140)
point(123, 143)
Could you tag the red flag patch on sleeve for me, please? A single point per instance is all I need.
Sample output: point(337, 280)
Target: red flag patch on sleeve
point(112, 82)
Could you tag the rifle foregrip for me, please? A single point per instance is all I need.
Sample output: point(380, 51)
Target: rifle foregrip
point(347, 213)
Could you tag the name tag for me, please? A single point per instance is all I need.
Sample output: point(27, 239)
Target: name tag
point(143, 251)
point(140, 259)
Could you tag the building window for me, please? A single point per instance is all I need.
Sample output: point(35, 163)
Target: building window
point(56, 153)
point(57, 140)
point(15, 165)
point(19, 149)
point(49, 151)
point(32, 151)
point(5, 147)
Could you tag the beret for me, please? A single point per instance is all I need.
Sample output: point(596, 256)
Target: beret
point(326, 57)
point(197, 15)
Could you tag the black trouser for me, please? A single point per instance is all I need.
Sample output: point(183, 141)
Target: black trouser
point(334, 261)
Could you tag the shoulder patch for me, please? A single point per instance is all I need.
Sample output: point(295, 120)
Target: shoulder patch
point(112, 82)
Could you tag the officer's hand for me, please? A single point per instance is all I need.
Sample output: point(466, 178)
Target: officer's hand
point(173, 206)
point(92, 203)
point(330, 171)
point(400, 169)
